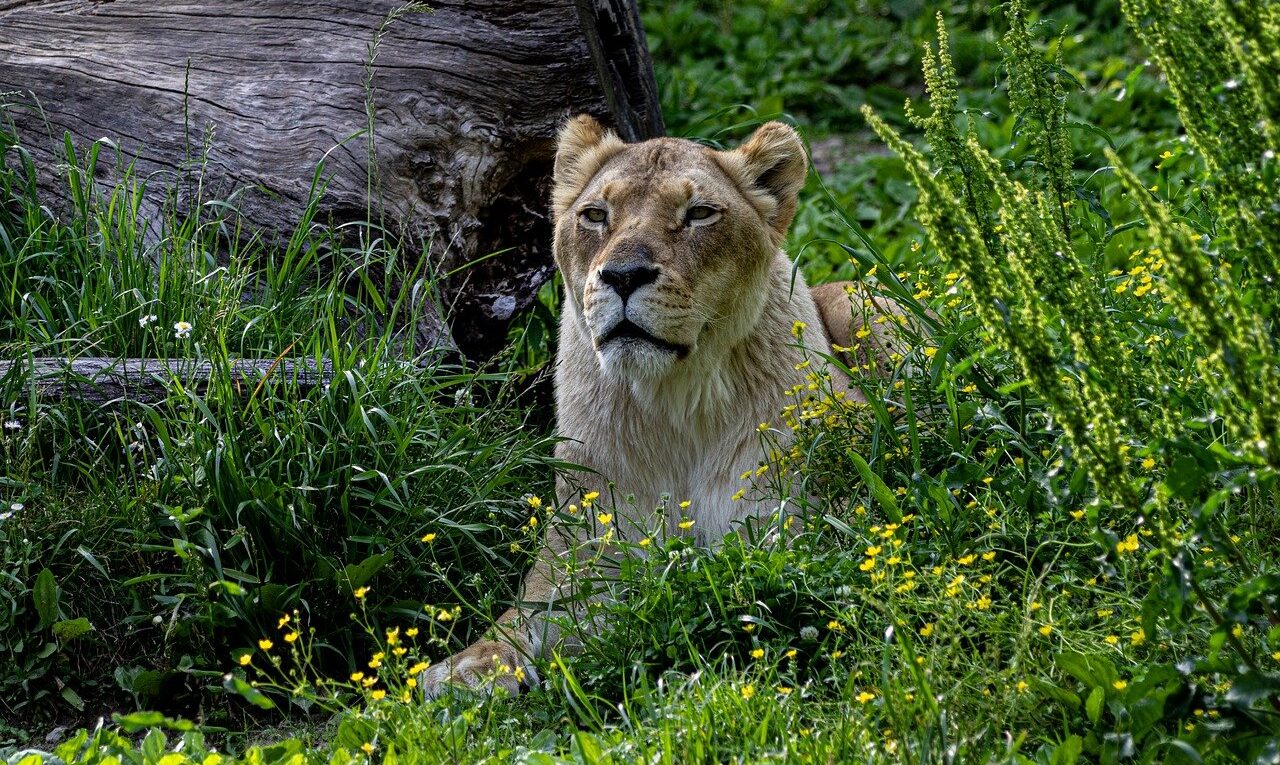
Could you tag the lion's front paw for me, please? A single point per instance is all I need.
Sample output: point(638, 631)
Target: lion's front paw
point(483, 666)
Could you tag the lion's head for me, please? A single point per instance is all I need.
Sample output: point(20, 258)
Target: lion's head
point(664, 245)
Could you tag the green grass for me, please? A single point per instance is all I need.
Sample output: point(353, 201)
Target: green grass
point(1003, 561)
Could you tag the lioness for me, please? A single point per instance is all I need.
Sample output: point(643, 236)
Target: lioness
point(676, 342)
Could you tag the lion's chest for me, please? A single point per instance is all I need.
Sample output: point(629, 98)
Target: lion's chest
point(655, 466)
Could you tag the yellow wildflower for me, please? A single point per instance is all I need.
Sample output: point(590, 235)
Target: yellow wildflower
point(265, 644)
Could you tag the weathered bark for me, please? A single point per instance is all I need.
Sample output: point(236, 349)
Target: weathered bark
point(149, 381)
point(467, 100)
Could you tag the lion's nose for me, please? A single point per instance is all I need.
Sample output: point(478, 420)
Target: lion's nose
point(626, 279)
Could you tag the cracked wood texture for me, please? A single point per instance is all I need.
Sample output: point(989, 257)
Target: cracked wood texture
point(149, 381)
point(467, 99)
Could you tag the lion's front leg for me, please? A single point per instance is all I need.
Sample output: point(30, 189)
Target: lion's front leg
point(486, 663)
point(506, 657)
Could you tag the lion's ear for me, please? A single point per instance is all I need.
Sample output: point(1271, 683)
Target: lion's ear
point(582, 147)
point(773, 161)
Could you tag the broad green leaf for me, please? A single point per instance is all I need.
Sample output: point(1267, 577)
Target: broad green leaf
point(241, 688)
point(153, 745)
point(70, 696)
point(136, 721)
point(1093, 671)
point(45, 595)
point(1093, 706)
point(877, 487)
point(1068, 752)
point(70, 629)
point(359, 574)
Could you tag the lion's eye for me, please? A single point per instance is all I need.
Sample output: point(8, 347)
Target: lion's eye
point(595, 215)
point(700, 212)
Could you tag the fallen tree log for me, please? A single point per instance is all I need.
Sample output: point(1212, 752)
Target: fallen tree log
point(150, 381)
point(466, 98)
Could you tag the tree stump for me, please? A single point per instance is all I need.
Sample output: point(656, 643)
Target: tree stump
point(467, 99)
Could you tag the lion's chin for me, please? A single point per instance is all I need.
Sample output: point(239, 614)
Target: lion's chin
point(635, 358)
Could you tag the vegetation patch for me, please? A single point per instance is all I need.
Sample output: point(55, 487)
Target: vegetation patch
point(1047, 536)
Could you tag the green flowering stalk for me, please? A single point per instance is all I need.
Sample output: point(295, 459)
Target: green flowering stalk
point(1253, 30)
point(1241, 364)
point(1092, 404)
point(1221, 60)
point(1029, 236)
point(951, 228)
point(1012, 311)
point(941, 128)
point(1039, 102)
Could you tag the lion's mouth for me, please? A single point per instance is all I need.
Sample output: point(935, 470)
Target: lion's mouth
point(627, 330)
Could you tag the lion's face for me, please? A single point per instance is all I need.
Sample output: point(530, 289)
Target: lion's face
point(663, 245)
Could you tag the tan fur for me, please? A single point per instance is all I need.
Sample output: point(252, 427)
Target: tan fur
point(654, 421)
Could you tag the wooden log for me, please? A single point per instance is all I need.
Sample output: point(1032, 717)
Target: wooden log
point(149, 381)
point(467, 99)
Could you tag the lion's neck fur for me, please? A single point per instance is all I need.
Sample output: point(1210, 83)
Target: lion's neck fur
point(691, 434)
